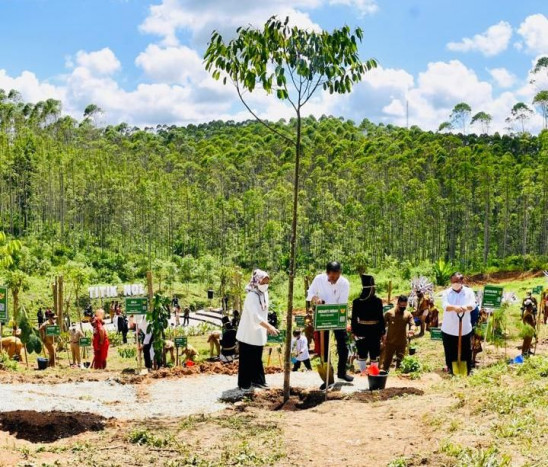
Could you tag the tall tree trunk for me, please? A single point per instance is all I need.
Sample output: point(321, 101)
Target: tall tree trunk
point(293, 242)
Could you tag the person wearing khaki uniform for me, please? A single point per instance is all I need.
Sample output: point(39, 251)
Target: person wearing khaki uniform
point(396, 321)
point(75, 335)
point(49, 341)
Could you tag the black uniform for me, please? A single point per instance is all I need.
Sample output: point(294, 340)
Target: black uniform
point(368, 325)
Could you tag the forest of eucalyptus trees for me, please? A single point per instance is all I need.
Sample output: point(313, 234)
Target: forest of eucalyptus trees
point(223, 190)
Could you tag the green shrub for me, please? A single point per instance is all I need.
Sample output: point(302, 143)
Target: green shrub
point(410, 365)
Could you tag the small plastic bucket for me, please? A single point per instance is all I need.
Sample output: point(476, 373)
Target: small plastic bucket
point(377, 382)
point(42, 363)
point(412, 350)
point(189, 363)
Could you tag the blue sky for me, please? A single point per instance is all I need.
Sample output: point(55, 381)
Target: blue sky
point(140, 61)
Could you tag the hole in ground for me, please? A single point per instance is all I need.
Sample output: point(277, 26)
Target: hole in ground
point(302, 399)
point(47, 427)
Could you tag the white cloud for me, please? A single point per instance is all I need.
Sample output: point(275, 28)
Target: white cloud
point(101, 62)
point(502, 77)
point(365, 7)
point(201, 17)
point(534, 31)
point(30, 87)
point(171, 64)
point(492, 42)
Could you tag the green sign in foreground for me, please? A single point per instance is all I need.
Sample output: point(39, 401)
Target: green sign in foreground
point(538, 289)
point(279, 339)
point(85, 342)
point(3, 304)
point(492, 297)
point(136, 306)
point(53, 330)
point(180, 341)
point(330, 317)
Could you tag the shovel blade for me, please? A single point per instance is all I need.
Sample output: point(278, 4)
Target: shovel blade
point(322, 371)
point(460, 369)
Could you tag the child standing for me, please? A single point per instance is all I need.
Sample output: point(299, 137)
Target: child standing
point(299, 346)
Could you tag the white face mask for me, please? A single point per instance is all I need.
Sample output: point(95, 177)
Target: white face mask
point(263, 287)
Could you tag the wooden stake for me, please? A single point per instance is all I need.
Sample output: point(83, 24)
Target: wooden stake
point(60, 318)
point(389, 291)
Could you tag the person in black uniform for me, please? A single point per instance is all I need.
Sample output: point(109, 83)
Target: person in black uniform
point(228, 343)
point(367, 322)
point(40, 316)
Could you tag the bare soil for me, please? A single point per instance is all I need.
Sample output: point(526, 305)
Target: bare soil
point(47, 427)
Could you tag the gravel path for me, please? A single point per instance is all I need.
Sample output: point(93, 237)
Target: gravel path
point(163, 398)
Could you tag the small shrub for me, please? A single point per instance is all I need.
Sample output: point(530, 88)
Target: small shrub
point(410, 365)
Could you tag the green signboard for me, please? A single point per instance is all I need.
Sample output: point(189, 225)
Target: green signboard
point(3, 304)
point(85, 342)
point(330, 317)
point(136, 306)
point(53, 330)
point(492, 297)
point(300, 320)
point(180, 341)
point(279, 339)
point(386, 308)
point(538, 289)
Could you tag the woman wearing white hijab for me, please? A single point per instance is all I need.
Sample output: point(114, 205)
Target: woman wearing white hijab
point(252, 332)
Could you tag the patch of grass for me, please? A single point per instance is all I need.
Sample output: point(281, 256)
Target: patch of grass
point(191, 422)
point(144, 437)
point(472, 457)
point(400, 462)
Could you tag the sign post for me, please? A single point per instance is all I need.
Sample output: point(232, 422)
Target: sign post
point(492, 297)
point(330, 318)
point(53, 330)
point(3, 310)
point(300, 321)
point(137, 306)
point(492, 300)
point(180, 342)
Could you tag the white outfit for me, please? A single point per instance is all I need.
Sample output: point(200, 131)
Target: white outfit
point(250, 330)
point(300, 347)
point(331, 294)
point(450, 323)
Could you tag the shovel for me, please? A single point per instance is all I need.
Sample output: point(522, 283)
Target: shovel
point(460, 368)
point(322, 367)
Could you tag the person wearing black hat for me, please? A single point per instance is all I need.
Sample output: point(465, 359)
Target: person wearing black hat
point(367, 322)
point(331, 288)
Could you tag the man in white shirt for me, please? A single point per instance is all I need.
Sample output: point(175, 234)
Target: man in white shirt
point(457, 300)
point(331, 288)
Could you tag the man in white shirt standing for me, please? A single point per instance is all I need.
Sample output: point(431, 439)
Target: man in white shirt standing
point(457, 300)
point(331, 288)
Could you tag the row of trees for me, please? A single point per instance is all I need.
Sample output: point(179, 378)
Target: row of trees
point(461, 117)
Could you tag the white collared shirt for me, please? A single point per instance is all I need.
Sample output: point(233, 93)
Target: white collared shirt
point(450, 323)
point(331, 294)
point(250, 330)
point(300, 347)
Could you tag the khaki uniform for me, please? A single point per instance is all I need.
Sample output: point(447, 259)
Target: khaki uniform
point(75, 335)
point(528, 318)
point(396, 336)
point(49, 342)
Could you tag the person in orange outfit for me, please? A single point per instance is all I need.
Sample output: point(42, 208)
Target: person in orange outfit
point(100, 341)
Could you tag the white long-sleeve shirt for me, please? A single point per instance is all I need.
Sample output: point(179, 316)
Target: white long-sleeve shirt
point(331, 294)
point(250, 330)
point(450, 324)
point(300, 347)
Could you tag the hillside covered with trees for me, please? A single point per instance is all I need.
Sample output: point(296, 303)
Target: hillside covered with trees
point(185, 199)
